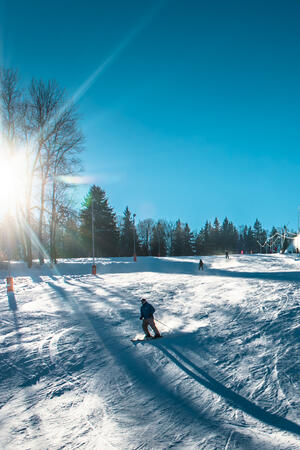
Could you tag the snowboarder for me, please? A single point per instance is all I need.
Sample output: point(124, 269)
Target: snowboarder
point(201, 264)
point(226, 254)
point(147, 312)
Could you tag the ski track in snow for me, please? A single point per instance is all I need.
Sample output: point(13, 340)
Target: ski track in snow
point(225, 375)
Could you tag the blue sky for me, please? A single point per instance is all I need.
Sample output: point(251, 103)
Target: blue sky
point(196, 112)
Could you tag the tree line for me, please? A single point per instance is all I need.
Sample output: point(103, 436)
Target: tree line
point(122, 236)
point(117, 237)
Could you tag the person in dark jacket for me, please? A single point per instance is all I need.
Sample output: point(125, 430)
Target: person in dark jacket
point(201, 264)
point(147, 312)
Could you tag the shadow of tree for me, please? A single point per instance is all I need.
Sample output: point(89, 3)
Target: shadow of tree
point(135, 367)
point(158, 265)
point(12, 301)
point(233, 398)
point(270, 276)
point(107, 333)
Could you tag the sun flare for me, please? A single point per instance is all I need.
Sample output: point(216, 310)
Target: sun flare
point(12, 184)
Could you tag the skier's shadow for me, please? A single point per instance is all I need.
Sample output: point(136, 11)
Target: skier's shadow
point(235, 399)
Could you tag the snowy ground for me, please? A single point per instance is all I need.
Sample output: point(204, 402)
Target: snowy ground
point(226, 374)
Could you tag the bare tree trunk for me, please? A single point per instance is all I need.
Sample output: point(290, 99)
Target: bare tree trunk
point(28, 213)
point(53, 224)
point(28, 233)
point(41, 222)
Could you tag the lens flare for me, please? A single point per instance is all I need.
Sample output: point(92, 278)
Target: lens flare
point(12, 183)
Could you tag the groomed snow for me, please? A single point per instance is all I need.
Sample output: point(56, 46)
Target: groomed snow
point(224, 376)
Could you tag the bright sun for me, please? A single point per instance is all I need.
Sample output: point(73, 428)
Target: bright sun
point(12, 184)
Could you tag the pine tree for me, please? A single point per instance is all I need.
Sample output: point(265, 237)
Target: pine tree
point(188, 241)
point(69, 243)
point(232, 238)
point(168, 228)
point(158, 242)
point(216, 237)
point(243, 238)
point(177, 246)
point(260, 235)
point(251, 242)
point(257, 229)
point(208, 245)
point(225, 235)
point(105, 226)
point(144, 233)
point(128, 235)
point(200, 243)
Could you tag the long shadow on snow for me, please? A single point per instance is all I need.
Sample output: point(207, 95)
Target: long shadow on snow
point(16, 361)
point(212, 384)
point(25, 376)
point(250, 331)
point(235, 399)
point(271, 276)
point(249, 321)
point(145, 379)
point(12, 301)
point(159, 265)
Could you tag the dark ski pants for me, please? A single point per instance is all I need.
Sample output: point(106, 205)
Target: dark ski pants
point(146, 323)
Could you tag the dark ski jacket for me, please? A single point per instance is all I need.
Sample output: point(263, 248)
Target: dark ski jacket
point(147, 311)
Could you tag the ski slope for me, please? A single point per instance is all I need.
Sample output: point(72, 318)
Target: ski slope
point(225, 375)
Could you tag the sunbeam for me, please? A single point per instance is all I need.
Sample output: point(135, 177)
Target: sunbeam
point(37, 243)
point(87, 84)
point(12, 182)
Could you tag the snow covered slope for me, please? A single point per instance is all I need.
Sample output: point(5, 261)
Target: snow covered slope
point(225, 375)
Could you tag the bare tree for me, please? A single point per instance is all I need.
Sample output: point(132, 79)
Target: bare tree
point(44, 103)
point(47, 128)
point(65, 147)
point(9, 115)
point(144, 229)
point(9, 106)
point(54, 139)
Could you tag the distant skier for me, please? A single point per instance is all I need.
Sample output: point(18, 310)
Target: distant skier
point(201, 265)
point(226, 254)
point(147, 312)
